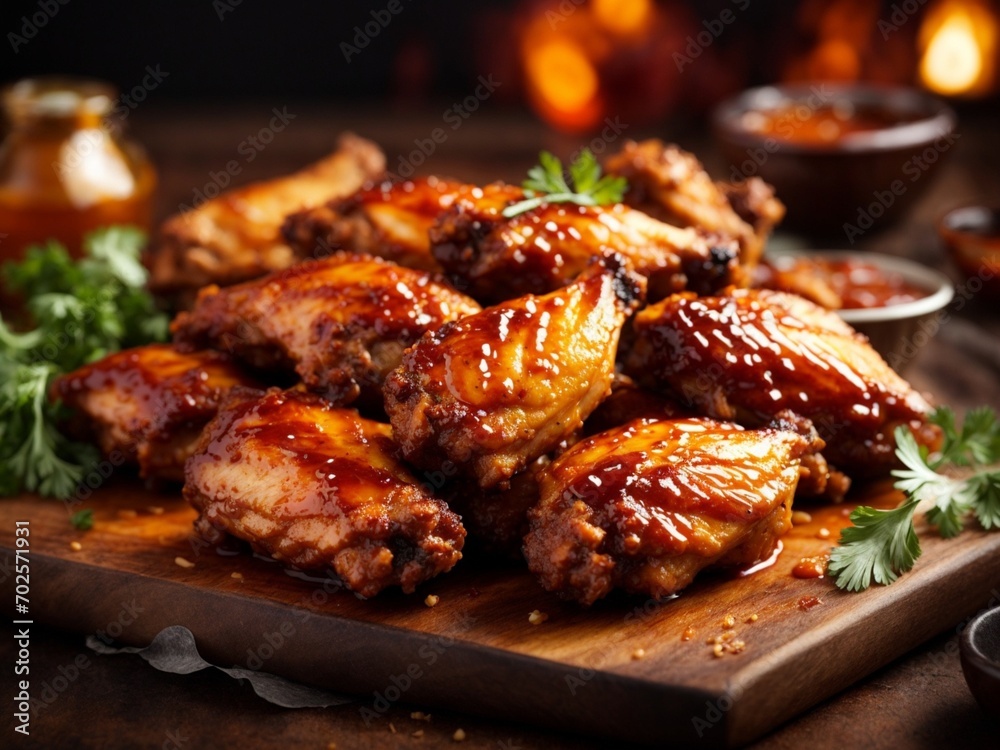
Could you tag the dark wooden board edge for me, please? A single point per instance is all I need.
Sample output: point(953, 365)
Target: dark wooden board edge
point(919, 612)
point(464, 676)
point(491, 682)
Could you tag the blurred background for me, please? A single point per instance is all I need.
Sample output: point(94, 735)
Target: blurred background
point(570, 62)
point(199, 77)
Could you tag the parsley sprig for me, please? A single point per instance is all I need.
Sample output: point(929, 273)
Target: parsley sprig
point(882, 544)
point(82, 310)
point(547, 183)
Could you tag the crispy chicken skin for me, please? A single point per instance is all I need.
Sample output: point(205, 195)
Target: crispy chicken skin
point(754, 201)
point(671, 184)
point(387, 219)
point(340, 323)
point(494, 258)
point(754, 353)
point(646, 506)
point(316, 486)
point(150, 403)
point(629, 401)
point(236, 236)
point(497, 518)
point(492, 392)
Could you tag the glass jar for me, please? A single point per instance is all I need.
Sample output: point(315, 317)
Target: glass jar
point(65, 168)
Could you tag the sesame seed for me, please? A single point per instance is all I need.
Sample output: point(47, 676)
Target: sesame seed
point(75, 546)
point(823, 533)
point(183, 563)
point(237, 576)
point(800, 517)
point(728, 622)
point(418, 734)
point(752, 618)
point(688, 634)
point(156, 510)
point(459, 735)
point(536, 617)
point(638, 654)
point(392, 727)
point(420, 716)
point(432, 600)
point(717, 651)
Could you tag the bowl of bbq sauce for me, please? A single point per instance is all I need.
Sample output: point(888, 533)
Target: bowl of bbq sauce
point(845, 159)
point(897, 303)
point(972, 236)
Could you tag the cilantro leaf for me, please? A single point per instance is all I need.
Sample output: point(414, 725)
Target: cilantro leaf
point(987, 509)
point(879, 546)
point(978, 442)
point(883, 544)
point(546, 183)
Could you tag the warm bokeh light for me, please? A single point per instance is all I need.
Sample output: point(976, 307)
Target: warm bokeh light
point(623, 16)
point(563, 83)
point(842, 30)
point(958, 43)
point(584, 61)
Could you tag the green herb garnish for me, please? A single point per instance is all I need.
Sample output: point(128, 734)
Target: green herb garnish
point(82, 311)
point(83, 519)
point(882, 544)
point(547, 183)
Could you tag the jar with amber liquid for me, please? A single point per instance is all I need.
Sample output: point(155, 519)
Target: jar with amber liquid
point(65, 169)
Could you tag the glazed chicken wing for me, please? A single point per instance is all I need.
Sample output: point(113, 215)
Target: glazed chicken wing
point(495, 258)
point(388, 219)
point(236, 236)
point(754, 353)
point(315, 486)
point(492, 392)
point(646, 506)
point(149, 404)
point(340, 323)
point(671, 184)
point(497, 518)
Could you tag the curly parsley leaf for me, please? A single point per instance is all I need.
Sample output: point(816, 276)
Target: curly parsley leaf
point(881, 545)
point(82, 310)
point(546, 183)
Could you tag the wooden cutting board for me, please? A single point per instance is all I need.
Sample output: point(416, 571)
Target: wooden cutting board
point(581, 670)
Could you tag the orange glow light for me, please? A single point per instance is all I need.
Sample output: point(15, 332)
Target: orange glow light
point(958, 41)
point(622, 16)
point(563, 82)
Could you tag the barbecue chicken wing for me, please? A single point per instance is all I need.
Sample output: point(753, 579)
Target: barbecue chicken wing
point(755, 353)
point(494, 258)
point(646, 506)
point(670, 184)
point(316, 486)
point(492, 392)
point(497, 518)
point(388, 219)
point(149, 404)
point(236, 236)
point(754, 201)
point(341, 323)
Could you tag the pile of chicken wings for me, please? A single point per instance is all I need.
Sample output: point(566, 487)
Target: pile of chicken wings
point(592, 388)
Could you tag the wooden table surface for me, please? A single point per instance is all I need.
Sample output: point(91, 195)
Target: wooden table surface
point(118, 702)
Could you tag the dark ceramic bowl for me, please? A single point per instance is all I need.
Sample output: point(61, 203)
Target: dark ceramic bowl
point(862, 179)
point(972, 236)
point(980, 648)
